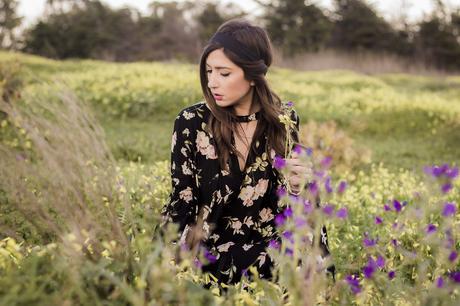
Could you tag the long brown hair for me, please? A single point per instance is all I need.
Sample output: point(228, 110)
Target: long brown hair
point(220, 123)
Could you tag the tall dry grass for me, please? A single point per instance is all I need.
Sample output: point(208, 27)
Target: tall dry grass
point(56, 169)
point(359, 61)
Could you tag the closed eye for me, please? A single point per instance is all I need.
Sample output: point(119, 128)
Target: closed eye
point(222, 74)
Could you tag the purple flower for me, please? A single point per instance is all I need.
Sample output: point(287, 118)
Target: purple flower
point(328, 209)
point(279, 162)
point(299, 222)
point(281, 192)
point(444, 170)
point(342, 213)
point(397, 205)
point(449, 209)
point(289, 252)
point(435, 171)
point(394, 242)
point(307, 207)
point(391, 274)
point(274, 244)
point(372, 265)
point(280, 219)
point(368, 270)
point(380, 262)
point(431, 228)
point(378, 220)
point(326, 162)
point(319, 173)
point(368, 242)
point(244, 272)
point(287, 212)
point(440, 282)
point(288, 235)
point(449, 238)
point(197, 263)
point(446, 187)
point(309, 151)
point(294, 198)
point(209, 256)
point(386, 207)
point(455, 276)
point(290, 104)
point(297, 149)
point(342, 187)
point(353, 282)
point(452, 173)
point(452, 256)
point(313, 188)
point(327, 185)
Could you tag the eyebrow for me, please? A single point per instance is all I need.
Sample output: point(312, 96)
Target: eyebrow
point(219, 67)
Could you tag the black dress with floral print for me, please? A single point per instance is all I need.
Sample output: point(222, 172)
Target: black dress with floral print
point(237, 207)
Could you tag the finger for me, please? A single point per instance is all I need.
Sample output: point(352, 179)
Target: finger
point(295, 181)
point(293, 161)
point(299, 169)
point(299, 162)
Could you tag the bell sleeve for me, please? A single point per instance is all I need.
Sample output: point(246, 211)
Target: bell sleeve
point(182, 204)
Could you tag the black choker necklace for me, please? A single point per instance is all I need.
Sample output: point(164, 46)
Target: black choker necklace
point(246, 118)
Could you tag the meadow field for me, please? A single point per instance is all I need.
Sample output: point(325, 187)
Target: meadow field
point(84, 173)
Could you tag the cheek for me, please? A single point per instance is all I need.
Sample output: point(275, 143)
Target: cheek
point(237, 86)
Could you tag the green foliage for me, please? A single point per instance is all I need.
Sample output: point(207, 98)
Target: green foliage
point(440, 43)
point(296, 26)
point(358, 27)
point(210, 19)
point(9, 22)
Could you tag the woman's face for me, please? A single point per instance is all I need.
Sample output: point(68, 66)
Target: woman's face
point(226, 80)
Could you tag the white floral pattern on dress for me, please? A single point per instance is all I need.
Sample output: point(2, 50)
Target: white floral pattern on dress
point(261, 188)
point(186, 195)
point(266, 215)
point(246, 194)
point(188, 115)
point(204, 146)
point(224, 247)
point(173, 141)
point(186, 170)
point(236, 226)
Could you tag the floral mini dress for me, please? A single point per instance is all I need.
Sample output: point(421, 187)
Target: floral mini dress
point(237, 208)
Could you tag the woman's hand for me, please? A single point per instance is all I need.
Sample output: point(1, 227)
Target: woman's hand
point(299, 171)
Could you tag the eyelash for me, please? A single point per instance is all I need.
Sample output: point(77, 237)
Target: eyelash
point(224, 75)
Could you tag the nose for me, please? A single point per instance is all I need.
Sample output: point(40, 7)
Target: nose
point(212, 82)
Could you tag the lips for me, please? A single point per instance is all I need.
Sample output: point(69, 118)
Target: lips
point(217, 96)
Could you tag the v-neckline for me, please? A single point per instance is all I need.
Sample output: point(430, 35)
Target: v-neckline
point(241, 172)
point(247, 157)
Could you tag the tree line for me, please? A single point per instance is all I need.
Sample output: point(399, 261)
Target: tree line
point(92, 29)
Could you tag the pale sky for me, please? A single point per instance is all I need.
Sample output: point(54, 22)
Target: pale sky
point(32, 9)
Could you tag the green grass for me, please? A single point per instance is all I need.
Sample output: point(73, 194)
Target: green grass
point(405, 120)
point(131, 140)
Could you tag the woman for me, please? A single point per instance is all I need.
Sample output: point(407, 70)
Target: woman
point(223, 184)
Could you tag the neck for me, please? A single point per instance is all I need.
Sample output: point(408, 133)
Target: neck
point(246, 106)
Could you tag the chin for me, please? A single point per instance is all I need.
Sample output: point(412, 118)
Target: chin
point(224, 103)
